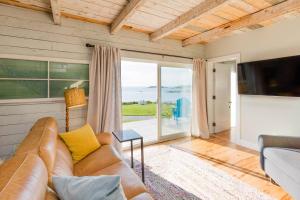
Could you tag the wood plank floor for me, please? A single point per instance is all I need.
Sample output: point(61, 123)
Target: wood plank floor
point(241, 162)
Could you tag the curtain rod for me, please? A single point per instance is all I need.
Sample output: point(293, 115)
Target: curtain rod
point(136, 51)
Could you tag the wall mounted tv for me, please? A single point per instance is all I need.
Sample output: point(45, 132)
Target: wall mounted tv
point(275, 77)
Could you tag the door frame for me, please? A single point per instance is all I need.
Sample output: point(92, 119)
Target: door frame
point(236, 135)
point(160, 65)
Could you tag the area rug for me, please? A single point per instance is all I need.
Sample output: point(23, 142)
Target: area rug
point(172, 174)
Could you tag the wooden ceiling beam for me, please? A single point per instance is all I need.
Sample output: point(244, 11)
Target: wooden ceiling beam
point(249, 20)
point(55, 7)
point(124, 15)
point(203, 8)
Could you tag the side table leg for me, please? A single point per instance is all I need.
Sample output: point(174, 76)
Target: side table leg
point(131, 146)
point(142, 159)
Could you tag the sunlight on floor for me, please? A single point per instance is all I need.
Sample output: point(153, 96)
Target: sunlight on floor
point(217, 153)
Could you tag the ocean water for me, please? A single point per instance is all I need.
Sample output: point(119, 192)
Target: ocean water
point(168, 94)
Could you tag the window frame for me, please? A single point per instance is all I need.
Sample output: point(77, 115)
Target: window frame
point(45, 59)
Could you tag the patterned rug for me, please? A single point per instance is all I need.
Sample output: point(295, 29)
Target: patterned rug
point(172, 174)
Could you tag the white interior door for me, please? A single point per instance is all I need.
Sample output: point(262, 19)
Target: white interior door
point(222, 93)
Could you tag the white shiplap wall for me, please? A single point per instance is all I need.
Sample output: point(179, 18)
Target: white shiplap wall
point(17, 118)
point(31, 33)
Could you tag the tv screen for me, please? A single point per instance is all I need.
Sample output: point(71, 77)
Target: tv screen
point(275, 77)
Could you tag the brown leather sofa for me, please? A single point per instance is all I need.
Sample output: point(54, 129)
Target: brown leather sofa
point(42, 154)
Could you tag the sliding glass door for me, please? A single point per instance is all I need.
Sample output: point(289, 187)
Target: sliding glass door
point(156, 99)
point(139, 98)
point(175, 101)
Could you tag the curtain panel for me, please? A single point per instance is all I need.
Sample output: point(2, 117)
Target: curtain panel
point(104, 106)
point(199, 113)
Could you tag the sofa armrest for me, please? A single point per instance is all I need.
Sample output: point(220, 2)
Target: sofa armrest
point(104, 138)
point(276, 141)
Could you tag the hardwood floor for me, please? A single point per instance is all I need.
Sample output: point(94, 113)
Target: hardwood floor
point(241, 162)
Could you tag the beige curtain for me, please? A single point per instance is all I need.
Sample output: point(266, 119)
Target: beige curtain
point(104, 106)
point(199, 113)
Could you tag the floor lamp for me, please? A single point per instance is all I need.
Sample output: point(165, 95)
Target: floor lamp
point(74, 98)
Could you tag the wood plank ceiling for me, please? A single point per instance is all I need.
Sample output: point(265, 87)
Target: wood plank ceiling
point(192, 21)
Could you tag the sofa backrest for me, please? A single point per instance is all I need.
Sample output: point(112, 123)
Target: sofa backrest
point(42, 140)
point(63, 165)
point(23, 177)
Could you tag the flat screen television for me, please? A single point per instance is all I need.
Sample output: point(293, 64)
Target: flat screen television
point(274, 77)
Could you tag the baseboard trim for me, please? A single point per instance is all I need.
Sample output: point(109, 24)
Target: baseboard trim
point(248, 144)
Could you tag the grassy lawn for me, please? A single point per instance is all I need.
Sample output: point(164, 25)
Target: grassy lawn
point(145, 110)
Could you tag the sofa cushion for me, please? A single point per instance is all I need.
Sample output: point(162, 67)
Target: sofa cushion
point(103, 157)
point(288, 160)
point(88, 187)
point(283, 179)
point(63, 165)
point(23, 177)
point(131, 183)
point(41, 140)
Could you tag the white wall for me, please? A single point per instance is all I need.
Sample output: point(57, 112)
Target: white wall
point(17, 118)
point(262, 114)
point(32, 33)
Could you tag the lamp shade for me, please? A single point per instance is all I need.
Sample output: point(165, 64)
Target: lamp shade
point(75, 97)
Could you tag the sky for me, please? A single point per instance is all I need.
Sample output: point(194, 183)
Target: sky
point(138, 74)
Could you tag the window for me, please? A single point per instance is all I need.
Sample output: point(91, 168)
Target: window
point(66, 75)
point(28, 79)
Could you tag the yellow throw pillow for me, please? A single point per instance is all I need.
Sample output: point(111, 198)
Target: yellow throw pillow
point(81, 142)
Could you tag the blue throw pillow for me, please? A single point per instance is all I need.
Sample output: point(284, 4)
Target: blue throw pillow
point(88, 187)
